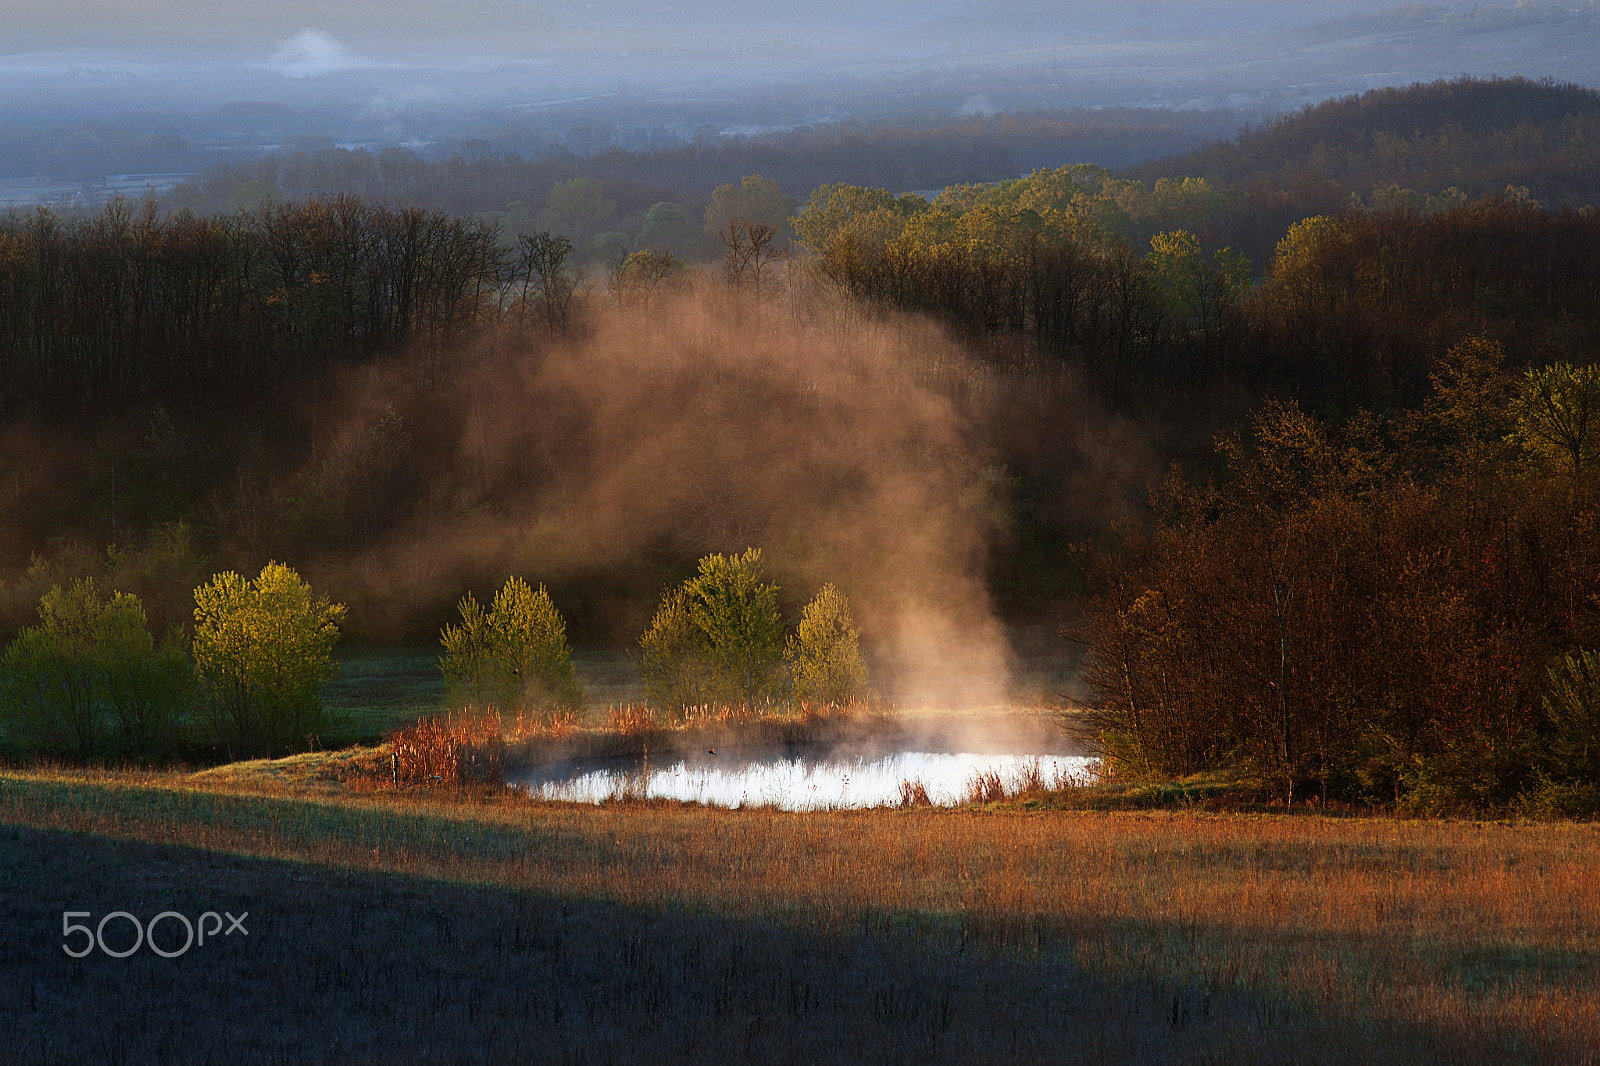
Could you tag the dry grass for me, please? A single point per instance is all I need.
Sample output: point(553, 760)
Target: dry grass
point(631, 719)
point(350, 967)
point(464, 749)
point(1441, 940)
point(1031, 787)
point(914, 794)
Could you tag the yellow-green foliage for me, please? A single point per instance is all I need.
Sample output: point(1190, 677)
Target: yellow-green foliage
point(1572, 702)
point(824, 654)
point(1558, 412)
point(837, 213)
point(1080, 204)
point(717, 638)
point(263, 650)
point(89, 679)
point(513, 656)
point(755, 200)
point(672, 655)
point(645, 273)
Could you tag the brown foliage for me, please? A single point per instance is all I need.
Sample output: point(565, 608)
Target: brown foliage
point(458, 750)
point(1350, 617)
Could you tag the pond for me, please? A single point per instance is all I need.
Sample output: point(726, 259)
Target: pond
point(794, 779)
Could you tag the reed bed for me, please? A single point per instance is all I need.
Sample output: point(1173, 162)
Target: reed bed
point(461, 749)
point(1029, 785)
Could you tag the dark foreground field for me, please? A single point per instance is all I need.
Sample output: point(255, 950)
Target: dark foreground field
point(348, 967)
point(440, 929)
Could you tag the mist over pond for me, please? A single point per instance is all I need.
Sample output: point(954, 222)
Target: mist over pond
point(795, 778)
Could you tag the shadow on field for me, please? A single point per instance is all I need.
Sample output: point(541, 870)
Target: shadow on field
point(340, 967)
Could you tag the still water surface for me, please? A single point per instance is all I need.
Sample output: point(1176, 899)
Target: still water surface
point(792, 780)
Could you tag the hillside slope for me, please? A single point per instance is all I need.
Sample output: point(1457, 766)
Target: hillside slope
point(1478, 136)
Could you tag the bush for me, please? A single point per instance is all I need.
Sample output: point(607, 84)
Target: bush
point(89, 681)
point(1572, 705)
point(824, 654)
point(513, 656)
point(263, 650)
point(717, 638)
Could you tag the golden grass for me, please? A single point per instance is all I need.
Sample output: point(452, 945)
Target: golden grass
point(1484, 929)
point(461, 749)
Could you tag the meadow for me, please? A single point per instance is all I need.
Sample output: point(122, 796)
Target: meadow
point(477, 925)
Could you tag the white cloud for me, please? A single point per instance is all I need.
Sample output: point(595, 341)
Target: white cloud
point(311, 52)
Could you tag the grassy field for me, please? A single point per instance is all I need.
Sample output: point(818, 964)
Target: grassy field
point(482, 927)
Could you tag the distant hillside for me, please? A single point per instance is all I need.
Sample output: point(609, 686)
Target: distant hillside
point(1477, 136)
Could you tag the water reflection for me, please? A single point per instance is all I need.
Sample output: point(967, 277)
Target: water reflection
point(794, 781)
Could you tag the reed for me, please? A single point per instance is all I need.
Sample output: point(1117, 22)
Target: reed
point(465, 748)
point(914, 794)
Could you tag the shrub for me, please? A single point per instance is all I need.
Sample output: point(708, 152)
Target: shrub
point(824, 654)
point(89, 681)
point(513, 656)
point(263, 650)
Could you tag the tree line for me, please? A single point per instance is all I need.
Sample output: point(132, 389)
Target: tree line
point(484, 174)
point(1477, 135)
point(134, 306)
point(1397, 609)
point(89, 681)
point(1352, 309)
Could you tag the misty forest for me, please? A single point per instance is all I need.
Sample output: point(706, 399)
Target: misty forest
point(1045, 539)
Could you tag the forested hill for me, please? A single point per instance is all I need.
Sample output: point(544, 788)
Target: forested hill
point(1477, 136)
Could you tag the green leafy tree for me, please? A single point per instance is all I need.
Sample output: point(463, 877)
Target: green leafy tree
point(667, 228)
point(512, 656)
point(674, 658)
point(754, 201)
point(89, 680)
point(824, 654)
point(468, 660)
point(530, 642)
point(718, 637)
point(1558, 412)
point(872, 217)
point(577, 208)
point(738, 614)
point(263, 650)
point(1178, 267)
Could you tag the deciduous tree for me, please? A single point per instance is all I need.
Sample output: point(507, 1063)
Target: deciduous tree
point(824, 654)
point(514, 656)
point(263, 650)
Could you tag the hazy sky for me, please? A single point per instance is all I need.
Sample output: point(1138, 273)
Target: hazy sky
point(420, 30)
point(738, 62)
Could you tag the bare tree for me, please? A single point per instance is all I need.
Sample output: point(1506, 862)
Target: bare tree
point(748, 254)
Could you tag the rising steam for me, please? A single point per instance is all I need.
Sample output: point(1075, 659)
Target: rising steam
point(850, 448)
